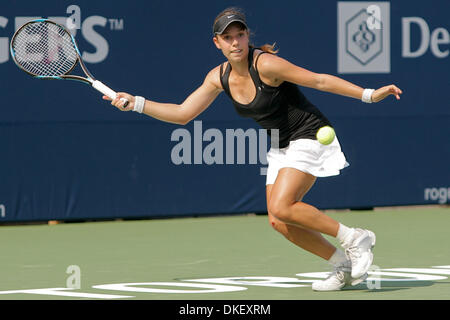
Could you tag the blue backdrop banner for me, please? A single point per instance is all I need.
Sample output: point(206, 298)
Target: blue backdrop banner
point(68, 154)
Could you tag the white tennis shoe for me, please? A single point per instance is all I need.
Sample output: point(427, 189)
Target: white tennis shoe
point(358, 250)
point(338, 279)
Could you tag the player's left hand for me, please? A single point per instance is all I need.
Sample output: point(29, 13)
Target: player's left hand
point(383, 92)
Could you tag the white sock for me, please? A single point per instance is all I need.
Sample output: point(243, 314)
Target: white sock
point(344, 233)
point(338, 258)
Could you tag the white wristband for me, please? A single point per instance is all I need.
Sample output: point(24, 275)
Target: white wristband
point(139, 103)
point(367, 95)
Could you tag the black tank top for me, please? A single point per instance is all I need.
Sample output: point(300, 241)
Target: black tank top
point(283, 107)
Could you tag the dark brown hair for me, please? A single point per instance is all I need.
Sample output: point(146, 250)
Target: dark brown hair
point(238, 11)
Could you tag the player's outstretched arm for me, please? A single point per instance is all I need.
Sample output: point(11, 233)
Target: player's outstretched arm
point(182, 113)
point(274, 67)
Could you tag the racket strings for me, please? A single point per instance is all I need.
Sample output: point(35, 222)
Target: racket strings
point(44, 49)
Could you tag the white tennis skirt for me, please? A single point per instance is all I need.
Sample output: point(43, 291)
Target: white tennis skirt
point(308, 156)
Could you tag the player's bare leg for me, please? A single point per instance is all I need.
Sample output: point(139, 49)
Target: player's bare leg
point(302, 224)
point(307, 239)
point(290, 187)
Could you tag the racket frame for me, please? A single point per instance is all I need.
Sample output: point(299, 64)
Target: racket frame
point(90, 78)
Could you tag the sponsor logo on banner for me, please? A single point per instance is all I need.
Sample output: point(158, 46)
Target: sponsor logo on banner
point(364, 37)
point(436, 40)
point(440, 195)
point(90, 28)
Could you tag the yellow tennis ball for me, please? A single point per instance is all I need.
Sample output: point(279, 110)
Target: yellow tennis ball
point(325, 135)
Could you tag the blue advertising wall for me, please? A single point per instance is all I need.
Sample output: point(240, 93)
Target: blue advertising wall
point(67, 154)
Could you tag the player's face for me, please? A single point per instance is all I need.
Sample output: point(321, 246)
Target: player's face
point(233, 42)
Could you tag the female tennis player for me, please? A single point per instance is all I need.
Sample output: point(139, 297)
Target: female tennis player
point(264, 86)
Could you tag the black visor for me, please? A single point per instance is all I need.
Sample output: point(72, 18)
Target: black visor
point(226, 20)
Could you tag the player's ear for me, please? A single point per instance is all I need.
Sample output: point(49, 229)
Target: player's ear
point(216, 42)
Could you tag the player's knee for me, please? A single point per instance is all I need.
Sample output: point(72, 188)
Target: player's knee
point(280, 210)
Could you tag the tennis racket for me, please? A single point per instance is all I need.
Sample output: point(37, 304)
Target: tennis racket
point(46, 50)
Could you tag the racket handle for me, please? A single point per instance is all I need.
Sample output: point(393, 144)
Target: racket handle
point(108, 91)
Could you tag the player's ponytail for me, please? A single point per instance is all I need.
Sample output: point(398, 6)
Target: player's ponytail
point(270, 48)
